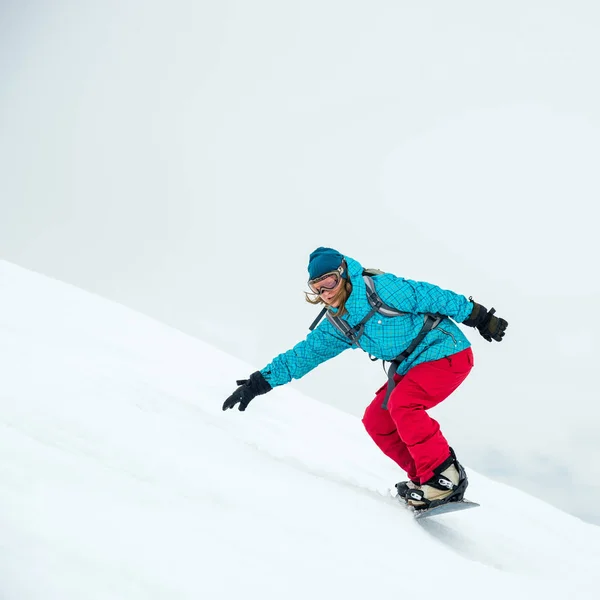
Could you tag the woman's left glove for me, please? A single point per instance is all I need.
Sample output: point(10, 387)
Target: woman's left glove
point(255, 385)
point(489, 326)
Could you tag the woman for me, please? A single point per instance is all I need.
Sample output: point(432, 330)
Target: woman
point(432, 358)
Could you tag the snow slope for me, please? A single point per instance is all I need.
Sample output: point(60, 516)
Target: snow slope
point(121, 478)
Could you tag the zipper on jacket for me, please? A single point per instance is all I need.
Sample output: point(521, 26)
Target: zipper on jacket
point(447, 333)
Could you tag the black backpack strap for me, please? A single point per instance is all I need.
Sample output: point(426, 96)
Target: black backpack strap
point(352, 334)
point(376, 302)
point(318, 319)
point(431, 322)
point(341, 326)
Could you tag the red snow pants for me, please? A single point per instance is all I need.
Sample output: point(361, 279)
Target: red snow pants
point(405, 432)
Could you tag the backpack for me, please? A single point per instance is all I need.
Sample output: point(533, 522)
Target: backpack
point(378, 306)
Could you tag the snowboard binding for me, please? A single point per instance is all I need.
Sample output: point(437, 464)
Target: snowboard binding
point(442, 483)
point(415, 496)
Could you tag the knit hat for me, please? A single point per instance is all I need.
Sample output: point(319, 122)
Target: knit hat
point(323, 260)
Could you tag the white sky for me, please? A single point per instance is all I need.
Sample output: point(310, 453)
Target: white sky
point(122, 478)
point(177, 159)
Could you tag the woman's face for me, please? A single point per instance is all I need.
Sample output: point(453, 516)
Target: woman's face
point(327, 286)
point(328, 295)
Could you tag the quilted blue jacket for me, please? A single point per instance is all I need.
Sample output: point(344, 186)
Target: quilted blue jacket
point(384, 337)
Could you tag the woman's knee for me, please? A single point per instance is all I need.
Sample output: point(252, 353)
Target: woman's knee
point(376, 420)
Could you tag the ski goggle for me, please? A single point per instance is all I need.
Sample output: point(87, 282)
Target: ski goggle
point(329, 281)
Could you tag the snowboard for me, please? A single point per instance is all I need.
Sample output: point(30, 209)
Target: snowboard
point(425, 513)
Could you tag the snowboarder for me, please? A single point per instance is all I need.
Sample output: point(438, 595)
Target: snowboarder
point(429, 354)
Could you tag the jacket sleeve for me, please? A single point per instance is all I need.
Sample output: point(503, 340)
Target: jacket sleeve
point(421, 297)
point(320, 345)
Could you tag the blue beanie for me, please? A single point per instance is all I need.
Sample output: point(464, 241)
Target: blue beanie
point(323, 260)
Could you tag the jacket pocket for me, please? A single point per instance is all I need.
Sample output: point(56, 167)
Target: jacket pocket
point(447, 333)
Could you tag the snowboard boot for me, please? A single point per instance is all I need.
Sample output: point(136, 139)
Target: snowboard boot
point(404, 487)
point(448, 484)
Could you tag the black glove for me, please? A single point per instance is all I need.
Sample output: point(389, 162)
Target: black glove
point(248, 390)
point(489, 326)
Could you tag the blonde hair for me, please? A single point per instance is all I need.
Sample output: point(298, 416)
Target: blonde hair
point(342, 295)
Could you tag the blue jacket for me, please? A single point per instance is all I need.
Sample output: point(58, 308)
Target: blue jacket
point(384, 337)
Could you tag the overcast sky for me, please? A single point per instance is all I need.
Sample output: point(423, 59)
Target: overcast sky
point(184, 159)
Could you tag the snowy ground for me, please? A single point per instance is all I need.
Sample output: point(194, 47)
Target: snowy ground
point(121, 478)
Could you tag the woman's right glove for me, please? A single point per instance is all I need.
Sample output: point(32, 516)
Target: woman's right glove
point(249, 388)
point(489, 326)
